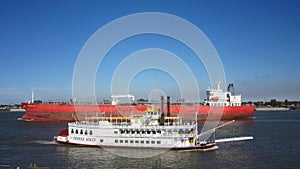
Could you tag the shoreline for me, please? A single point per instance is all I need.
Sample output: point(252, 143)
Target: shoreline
point(271, 108)
point(13, 110)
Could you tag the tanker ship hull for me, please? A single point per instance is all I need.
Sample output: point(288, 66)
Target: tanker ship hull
point(70, 112)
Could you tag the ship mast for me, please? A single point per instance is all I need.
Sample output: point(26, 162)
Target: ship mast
point(32, 96)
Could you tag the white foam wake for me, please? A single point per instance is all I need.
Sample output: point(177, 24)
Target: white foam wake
point(46, 142)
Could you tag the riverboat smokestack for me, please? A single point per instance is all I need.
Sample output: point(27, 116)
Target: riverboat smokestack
point(168, 106)
point(162, 118)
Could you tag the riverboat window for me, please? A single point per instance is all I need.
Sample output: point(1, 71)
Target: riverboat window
point(76, 132)
point(121, 141)
point(152, 142)
point(72, 131)
point(147, 142)
point(90, 139)
point(158, 142)
point(79, 138)
point(101, 140)
point(81, 132)
point(131, 141)
point(116, 141)
point(86, 133)
point(116, 132)
point(136, 141)
point(91, 132)
point(126, 141)
point(142, 141)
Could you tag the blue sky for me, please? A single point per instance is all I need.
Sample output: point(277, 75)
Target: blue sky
point(258, 43)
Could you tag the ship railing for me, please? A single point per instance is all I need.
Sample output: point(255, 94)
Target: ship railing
point(176, 127)
point(129, 126)
point(91, 123)
point(163, 134)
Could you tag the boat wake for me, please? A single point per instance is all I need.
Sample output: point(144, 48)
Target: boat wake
point(20, 119)
point(45, 142)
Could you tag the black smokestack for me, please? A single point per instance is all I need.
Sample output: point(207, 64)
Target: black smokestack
point(231, 89)
point(168, 106)
point(162, 118)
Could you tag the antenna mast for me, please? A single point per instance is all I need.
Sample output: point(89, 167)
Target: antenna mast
point(32, 96)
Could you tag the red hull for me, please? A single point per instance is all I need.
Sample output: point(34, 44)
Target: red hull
point(65, 112)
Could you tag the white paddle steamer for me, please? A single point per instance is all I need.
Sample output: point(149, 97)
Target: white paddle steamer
point(152, 130)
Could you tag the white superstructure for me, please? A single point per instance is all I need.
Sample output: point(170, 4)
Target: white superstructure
point(116, 98)
point(218, 97)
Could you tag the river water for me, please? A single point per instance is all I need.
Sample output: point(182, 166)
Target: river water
point(276, 144)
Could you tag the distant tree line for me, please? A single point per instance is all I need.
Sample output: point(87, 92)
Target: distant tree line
point(4, 107)
point(274, 103)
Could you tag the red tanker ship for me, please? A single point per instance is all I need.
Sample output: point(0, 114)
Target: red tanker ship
point(222, 104)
